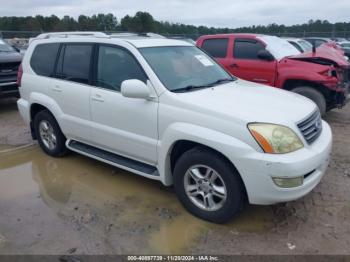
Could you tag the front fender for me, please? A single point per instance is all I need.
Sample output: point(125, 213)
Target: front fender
point(227, 145)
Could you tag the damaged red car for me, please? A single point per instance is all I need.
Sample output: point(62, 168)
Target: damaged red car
point(321, 76)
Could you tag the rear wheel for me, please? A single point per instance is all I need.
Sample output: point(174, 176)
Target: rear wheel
point(49, 134)
point(208, 186)
point(316, 96)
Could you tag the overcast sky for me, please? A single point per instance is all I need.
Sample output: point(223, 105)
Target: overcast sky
point(217, 13)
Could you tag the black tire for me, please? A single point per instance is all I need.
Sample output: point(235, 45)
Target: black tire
point(60, 147)
point(235, 198)
point(316, 96)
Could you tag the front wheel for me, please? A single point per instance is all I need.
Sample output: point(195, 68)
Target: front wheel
point(313, 94)
point(208, 185)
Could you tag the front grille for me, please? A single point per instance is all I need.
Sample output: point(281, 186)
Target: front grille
point(7, 67)
point(311, 128)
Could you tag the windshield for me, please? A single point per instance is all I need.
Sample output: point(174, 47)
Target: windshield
point(279, 47)
point(5, 47)
point(307, 47)
point(184, 67)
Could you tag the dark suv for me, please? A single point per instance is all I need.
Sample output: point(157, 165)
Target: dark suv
point(10, 59)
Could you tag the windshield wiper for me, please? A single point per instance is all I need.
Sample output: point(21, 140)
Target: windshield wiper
point(190, 88)
point(221, 81)
point(194, 87)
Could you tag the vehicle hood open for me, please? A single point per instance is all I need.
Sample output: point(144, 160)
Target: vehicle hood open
point(324, 55)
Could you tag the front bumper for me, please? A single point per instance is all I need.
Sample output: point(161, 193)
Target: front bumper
point(258, 169)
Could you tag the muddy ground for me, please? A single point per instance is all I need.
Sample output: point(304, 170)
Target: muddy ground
point(76, 205)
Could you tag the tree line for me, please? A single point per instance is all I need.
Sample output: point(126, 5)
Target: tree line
point(144, 22)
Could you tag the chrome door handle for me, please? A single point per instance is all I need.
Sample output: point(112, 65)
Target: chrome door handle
point(97, 98)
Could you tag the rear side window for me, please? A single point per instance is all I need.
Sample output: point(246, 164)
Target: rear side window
point(74, 63)
point(44, 58)
point(247, 49)
point(216, 47)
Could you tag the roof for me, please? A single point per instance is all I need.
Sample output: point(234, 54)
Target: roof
point(137, 40)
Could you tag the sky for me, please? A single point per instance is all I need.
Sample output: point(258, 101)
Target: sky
point(216, 13)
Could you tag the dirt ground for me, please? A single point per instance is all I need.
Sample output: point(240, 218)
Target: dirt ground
point(76, 205)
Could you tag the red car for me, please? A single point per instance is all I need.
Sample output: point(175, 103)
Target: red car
point(322, 76)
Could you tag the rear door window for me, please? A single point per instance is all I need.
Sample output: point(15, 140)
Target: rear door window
point(74, 63)
point(247, 48)
point(44, 58)
point(216, 47)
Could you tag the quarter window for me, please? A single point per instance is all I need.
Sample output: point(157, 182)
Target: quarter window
point(74, 63)
point(116, 65)
point(247, 49)
point(216, 47)
point(44, 58)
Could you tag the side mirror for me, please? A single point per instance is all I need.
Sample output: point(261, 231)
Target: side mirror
point(135, 88)
point(265, 55)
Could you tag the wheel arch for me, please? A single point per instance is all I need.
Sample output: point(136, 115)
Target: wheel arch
point(182, 137)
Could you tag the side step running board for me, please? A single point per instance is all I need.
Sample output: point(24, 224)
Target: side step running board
point(114, 159)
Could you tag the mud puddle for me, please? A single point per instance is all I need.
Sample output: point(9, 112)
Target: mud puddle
point(54, 206)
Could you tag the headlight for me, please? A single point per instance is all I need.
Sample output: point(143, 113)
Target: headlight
point(275, 139)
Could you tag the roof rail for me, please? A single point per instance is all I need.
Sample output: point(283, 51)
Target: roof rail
point(76, 33)
point(68, 34)
point(130, 34)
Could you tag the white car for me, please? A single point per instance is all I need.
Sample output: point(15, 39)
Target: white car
point(300, 44)
point(163, 109)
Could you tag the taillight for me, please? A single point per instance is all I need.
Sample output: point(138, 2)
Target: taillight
point(19, 75)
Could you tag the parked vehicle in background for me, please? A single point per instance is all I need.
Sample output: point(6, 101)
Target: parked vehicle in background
point(317, 41)
point(10, 61)
point(186, 39)
point(300, 44)
point(273, 61)
point(339, 39)
point(345, 45)
point(163, 109)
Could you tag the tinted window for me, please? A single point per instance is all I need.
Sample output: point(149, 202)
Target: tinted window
point(216, 47)
point(247, 49)
point(116, 65)
point(43, 59)
point(74, 63)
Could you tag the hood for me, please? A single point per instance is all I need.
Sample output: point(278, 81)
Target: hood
point(8, 57)
point(250, 102)
point(325, 55)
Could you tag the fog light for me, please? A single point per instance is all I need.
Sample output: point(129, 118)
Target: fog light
point(288, 182)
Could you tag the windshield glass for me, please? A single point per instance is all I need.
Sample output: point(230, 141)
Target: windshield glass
point(279, 47)
point(307, 47)
point(181, 67)
point(5, 47)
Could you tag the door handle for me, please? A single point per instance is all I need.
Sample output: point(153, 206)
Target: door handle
point(260, 80)
point(57, 88)
point(97, 98)
point(234, 65)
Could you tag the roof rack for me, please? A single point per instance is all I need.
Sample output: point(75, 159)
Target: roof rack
point(76, 33)
point(130, 34)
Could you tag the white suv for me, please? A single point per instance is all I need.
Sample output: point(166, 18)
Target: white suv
point(165, 110)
